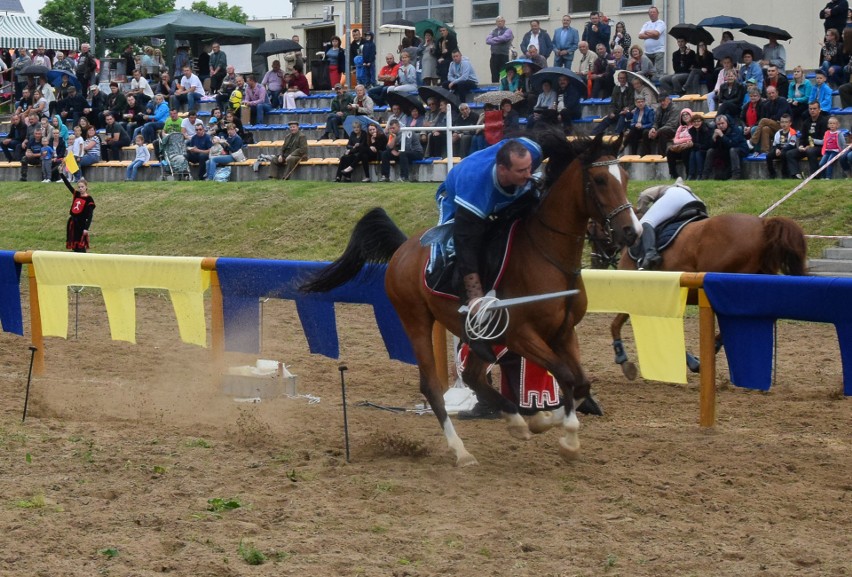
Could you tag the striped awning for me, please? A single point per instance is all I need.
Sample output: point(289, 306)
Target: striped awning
point(17, 31)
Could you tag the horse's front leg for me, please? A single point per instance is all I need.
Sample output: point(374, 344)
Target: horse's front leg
point(628, 367)
point(564, 364)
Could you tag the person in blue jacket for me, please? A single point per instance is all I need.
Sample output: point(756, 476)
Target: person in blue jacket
point(368, 55)
point(476, 192)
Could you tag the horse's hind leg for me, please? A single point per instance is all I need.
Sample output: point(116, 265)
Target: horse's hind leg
point(475, 376)
point(627, 366)
point(420, 334)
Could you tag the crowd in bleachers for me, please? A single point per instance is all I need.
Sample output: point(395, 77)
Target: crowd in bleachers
point(752, 110)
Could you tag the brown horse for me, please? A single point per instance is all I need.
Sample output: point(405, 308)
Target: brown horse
point(735, 243)
point(584, 181)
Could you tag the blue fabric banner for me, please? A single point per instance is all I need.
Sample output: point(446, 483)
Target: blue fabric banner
point(245, 281)
point(11, 318)
point(749, 305)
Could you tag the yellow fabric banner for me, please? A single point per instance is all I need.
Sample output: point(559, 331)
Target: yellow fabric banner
point(118, 276)
point(71, 163)
point(655, 302)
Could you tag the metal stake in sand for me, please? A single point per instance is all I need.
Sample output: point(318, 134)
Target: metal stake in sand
point(29, 378)
point(76, 292)
point(343, 368)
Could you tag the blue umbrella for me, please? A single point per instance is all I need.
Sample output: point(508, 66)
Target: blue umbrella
point(723, 22)
point(55, 78)
point(364, 120)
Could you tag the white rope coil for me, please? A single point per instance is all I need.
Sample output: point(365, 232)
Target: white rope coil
point(488, 322)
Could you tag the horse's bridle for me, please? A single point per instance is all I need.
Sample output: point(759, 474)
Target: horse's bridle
point(587, 186)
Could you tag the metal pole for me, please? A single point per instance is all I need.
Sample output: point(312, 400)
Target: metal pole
point(348, 32)
point(343, 368)
point(29, 378)
point(449, 137)
point(92, 25)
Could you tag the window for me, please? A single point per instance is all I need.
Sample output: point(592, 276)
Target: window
point(583, 6)
point(416, 10)
point(533, 8)
point(636, 3)
point(485, 9)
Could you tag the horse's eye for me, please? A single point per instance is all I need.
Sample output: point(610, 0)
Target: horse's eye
point(601, 180)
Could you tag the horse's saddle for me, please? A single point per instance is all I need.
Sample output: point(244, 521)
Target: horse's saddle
point(440, 275)
point(668, 231)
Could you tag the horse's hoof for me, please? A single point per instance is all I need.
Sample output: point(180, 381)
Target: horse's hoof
point(542, 421)
point(693, 364)
point(517, 426)
point(466, 461)
point(520, 433)
point(569, 450)
point(630, 371)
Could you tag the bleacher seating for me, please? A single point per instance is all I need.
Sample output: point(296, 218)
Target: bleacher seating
point(312, 111)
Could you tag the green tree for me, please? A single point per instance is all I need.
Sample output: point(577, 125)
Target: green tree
point(221, 10)
point(71, 17)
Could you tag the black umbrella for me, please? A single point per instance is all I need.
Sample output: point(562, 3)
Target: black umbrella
point(552, 73)
point(277, 46)
point(734, 50)
point(405, 101)
point(35, 70)
point(723, 22)
point(763, 31)
point(692, 33)
point(440, 93)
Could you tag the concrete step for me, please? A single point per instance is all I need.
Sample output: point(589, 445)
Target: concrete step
point(838, 253)
point(830, 266)
point(832, 274)
point(846, 242)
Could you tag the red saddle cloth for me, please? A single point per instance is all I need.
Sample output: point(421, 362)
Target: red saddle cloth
point(523, 382)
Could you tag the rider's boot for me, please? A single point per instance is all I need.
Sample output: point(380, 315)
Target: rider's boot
point(651, 259)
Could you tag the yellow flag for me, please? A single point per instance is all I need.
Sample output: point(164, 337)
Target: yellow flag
point(71, 163)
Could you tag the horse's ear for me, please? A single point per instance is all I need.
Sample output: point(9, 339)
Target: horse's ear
point(615, 145)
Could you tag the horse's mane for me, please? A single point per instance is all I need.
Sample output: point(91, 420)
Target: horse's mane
point(561, 152)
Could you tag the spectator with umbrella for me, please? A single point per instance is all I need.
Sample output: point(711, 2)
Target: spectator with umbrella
point(569, 91)
point(273, 81)
point(703, 72)
point(684, 59)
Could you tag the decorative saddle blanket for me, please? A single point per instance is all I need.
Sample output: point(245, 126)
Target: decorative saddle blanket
point(440, 276)
point(669, 230)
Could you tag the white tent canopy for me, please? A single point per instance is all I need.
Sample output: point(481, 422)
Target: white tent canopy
point(18, 31)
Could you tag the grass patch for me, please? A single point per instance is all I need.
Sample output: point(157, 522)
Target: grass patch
point(200, 443)
point(250, 554)
point(312, 220)
point(37, 501)
point(217, 504)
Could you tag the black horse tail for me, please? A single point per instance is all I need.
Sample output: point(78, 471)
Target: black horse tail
point(374, 240)
point(785, 248)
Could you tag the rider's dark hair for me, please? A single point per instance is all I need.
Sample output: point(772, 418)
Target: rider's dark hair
point(504, 155)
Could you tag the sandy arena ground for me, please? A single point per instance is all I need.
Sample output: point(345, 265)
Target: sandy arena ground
point(126, 445)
